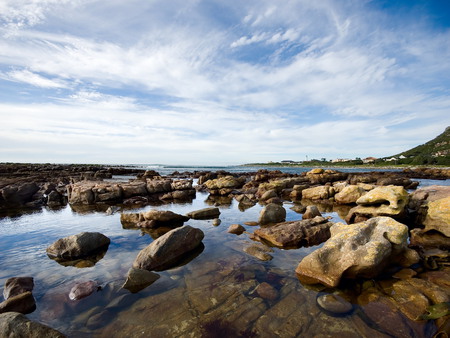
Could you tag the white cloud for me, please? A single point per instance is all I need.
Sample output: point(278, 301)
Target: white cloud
point(250, 78)
point(25, 76)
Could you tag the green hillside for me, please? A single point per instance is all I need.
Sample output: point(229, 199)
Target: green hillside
point(436, 151)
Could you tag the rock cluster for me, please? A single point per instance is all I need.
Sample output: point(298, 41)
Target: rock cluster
point(154, 189)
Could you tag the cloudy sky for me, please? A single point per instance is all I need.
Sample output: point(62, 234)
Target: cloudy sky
point(220, 81)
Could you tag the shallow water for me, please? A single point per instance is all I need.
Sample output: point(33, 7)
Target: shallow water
point(212, 296)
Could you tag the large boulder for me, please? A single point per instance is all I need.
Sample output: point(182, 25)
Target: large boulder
point(382, 201)
point(207, 213)
point(318, 193)
point(136, 188)
point(17, 195)
point(350, 194)
point(152, 219)
point(295, 234)
point(322, 176)
point(168, 249)
point(438, 216)
point(357, 250)
point(272, 213)
point(13, 324)
point(78, 246)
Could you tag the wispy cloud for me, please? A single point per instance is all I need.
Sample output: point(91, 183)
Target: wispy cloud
point(252, 79)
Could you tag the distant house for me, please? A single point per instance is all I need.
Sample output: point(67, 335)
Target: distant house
point(391, 159)
point(369, 159)
point(340, 160)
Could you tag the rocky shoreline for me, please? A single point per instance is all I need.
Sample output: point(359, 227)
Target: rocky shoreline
point(392, 228)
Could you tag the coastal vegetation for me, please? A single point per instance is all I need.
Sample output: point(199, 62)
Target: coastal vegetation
point(435, 152)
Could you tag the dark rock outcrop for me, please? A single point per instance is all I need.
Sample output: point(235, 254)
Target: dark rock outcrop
point(78, 246)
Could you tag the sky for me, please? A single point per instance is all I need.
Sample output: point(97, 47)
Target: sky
point(216, 82)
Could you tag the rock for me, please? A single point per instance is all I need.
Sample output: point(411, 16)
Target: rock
point(419, 199)
point(159, 186)
point(311, 212)
point(272, 213)
point(82, 290)
point(382, 201)
point(268, 195)
point(259, 251)
point(152, 219)
point(296, 193)
point(19, 194)
point(350, 194)
point(181, 185)
point(429, 239)
point(136, 188)
point(236, 229)
point(216, 222)
point(23, 303)
point(334, 305)
point(16, 285)
point(138, 279)
point(266, 291)
point(318, 193)
point(13, 324)
point(54, 199)
point(168, 249)
point(438, 216)
point(358, 250)
point(295, 234)
point(207, 213)
point(78, 246)
point(227, 182)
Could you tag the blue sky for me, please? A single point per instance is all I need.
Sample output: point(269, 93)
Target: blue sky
point(220, 81)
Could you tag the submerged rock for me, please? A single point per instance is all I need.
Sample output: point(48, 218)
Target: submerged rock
point(259, 251)
point(295, 234)
point(165, 251)
point(138, 279)
point(357, 250)
point(13, 324)
point(334, 305)
point(78, 246)
point(82, 290)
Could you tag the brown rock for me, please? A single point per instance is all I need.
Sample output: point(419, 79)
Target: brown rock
point(438, 216)
point(311, 212)
point(272, 213)
point(168, 249)
point(361, 249)
point(16, 285)
point(317, 193)
point(236, 229)
point(267, 291)
point(350, 194)
point(22, 303)
point(78, 246)
point(13, 324)
point(207, 213)
point(295, 234)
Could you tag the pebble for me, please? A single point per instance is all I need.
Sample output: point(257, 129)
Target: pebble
point(334, 304)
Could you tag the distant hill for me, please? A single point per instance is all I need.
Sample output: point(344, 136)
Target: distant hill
point(436, 151)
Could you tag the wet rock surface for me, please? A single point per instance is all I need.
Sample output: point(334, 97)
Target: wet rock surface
point(295, 234)
point(168, 249)
point(361, 249)
point(78, 246)
point(13, 324)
